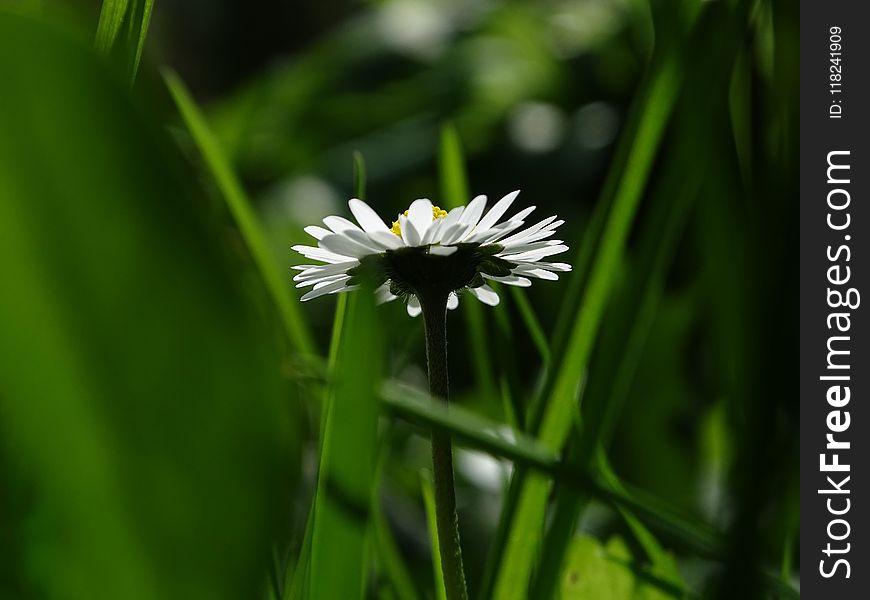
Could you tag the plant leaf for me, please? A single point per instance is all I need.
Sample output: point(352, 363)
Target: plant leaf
point(140, 404)
point(347, 456)
point(428, 491)
point(122, 45)
point(244, 214)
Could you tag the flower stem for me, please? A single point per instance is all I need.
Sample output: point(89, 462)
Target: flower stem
point(435, 320)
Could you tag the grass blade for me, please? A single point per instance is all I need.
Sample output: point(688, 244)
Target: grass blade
point(466, 426)
point(347, 470)
point(140, 405)
point(618, 351)
point(390, 557)
point(560, 410)
point(347, 456)
point(663, 564)
point(454, 190)
point(482, 434)
point(124, 45)
point(244, 214)
point(533, 325)
point(359, 175)
point(426, 486)
point(112, 16)
point(625, 181)
point(300, 582)
point(139, 31)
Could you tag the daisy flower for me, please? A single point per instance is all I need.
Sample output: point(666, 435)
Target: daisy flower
point(429, 256)
point(430, 252)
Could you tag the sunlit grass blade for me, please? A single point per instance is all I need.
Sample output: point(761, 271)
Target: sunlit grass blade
point(112, 15)
point(276, 575)
point(561, 408)
point(451, 168)
point(427, 489)
point(659, 515)
point(658, 103)
point(454, 191)
point(348, 441)
point(620, 346)
point(359, 175)
point(387, 555)
point(347, 456)
point(274, 277)
point(297, 589)
point(466, 426)
point(141, 410)
point(663, 563)
point(781, 589)
point(121, 32)
point(533, 325)
point(625, 182)
point(301, 571)
point(480, 433)
point(390, 558)
point(503, 344)
point(139, 31)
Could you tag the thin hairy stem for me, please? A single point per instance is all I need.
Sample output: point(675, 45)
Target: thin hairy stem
point(435, 320)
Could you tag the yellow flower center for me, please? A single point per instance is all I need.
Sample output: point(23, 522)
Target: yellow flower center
point(437, 213)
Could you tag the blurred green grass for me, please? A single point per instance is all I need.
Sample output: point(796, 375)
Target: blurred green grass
point(172, 422)
point(143, 437)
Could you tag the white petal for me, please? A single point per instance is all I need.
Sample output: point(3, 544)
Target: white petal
point(495, 213)
point(420, 215)
point(316, 281)
point(485, 294)
point(453, 217)
point(452, 233)
point(463, 235)
point(409, 232)
point(433, 234)
point(519, 236)
point(386, 239)
point(543, 234)
point(383, 294)
point(363, 239)
point(323, 270)
point(414, 308)
point(442, 250)
point(473, 211)
point(340, 224)
point(522, 248)
point(324, 288)
point(452, 301)
point(532, 271)
point(366, 216)
point(536, 255)
point(511, 280)
point(561, 267)
point(520, 216)
point(478, 235)
point(502, 229)
point(321, 254)
point(345, 289)
point(342, 244)
point(316, 232)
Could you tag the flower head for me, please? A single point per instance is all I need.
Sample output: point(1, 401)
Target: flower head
point(430, 251)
